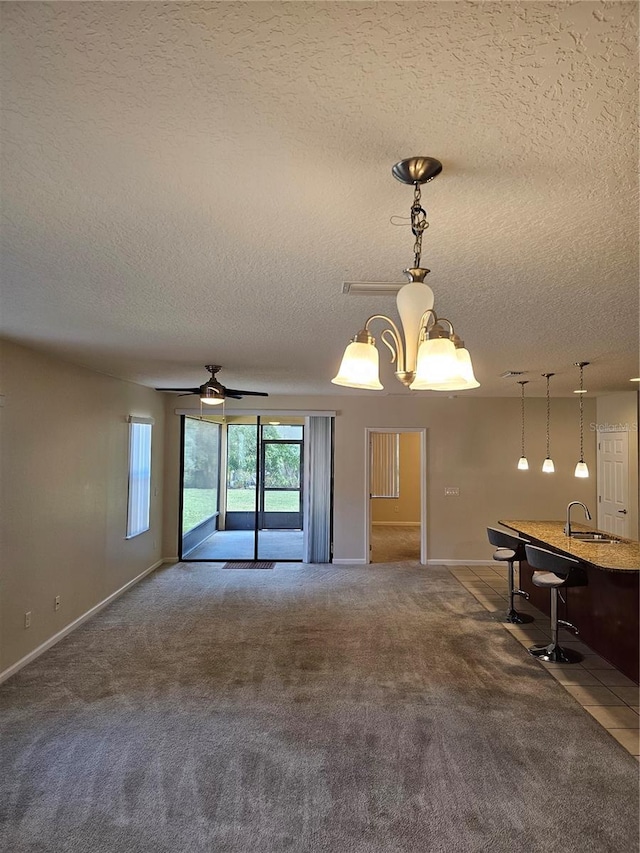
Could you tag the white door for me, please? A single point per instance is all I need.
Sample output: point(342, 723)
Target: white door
point(613, 483)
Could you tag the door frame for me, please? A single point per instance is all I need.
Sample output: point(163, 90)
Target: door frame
point(423, 488)
point(263, 450)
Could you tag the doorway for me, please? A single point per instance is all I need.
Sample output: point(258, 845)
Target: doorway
point(395, 495)
point(242, 489)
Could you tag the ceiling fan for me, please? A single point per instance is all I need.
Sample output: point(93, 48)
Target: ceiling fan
point(213, 392)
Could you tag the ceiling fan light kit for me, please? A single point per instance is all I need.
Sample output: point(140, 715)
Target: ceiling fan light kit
point(428, 355)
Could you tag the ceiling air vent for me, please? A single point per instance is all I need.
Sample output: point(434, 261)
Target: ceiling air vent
point(372, 288)
point(509, 373)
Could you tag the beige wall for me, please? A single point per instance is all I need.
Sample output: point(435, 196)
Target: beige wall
point(622, 409)
point(64, 465)
point(404, 509)
point(472, 443)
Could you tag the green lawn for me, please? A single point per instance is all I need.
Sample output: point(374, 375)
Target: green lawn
point(244, 500)
point(199, 504)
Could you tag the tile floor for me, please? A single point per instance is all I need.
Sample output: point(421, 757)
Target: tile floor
point(608, 695)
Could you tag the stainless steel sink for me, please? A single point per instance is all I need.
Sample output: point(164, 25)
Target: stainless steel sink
point(594, 537)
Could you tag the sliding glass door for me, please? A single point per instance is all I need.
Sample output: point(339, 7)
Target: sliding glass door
point(200, 491)
point(254, 511)
point(280, 503)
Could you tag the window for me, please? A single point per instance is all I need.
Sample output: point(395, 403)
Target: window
point(139, 475)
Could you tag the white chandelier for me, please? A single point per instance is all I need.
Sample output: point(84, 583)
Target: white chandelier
point(431, 357)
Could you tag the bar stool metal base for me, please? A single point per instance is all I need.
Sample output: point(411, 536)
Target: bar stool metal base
point(555, 654)
point(515, 618)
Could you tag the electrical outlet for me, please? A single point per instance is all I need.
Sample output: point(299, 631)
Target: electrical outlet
point(27, 619)
point(56, 603)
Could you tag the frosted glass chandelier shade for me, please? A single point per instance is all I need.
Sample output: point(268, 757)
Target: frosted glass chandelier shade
point(523, 464)
point(582, 470)
point(466, 379)
point(360, 367)
point(436, 365)
point(548, 467)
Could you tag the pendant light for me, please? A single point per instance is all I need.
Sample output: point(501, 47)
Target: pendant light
point(428, 354)
point(547, 466)
point(523, 464)
point(582, 470)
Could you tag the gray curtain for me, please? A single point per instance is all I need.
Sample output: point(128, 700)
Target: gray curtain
point(317, 490)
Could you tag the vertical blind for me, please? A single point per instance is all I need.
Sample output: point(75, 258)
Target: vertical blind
point(317, 490)
point(139, 475)
point(385, 465)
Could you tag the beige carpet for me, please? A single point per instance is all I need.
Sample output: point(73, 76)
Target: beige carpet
point(368, 709)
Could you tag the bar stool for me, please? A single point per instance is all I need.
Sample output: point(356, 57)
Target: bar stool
point(510, 549)
point(552, 572)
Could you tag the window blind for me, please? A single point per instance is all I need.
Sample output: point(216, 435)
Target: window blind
point(139, 475)
point(385, 465)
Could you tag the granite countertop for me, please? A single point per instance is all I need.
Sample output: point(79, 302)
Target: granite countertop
point(623, 556)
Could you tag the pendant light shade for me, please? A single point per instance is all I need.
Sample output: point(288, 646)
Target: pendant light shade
point(547, 466)
point(360, 367)
point(523, 463)
point(582, 470)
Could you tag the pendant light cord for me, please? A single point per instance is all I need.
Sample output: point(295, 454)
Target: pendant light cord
point(522, 384)
point(548, 412)
point(581, 417)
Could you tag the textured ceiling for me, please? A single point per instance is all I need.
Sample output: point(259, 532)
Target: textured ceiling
point(186, 183)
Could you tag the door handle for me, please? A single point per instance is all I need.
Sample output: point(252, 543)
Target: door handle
point(623, 511)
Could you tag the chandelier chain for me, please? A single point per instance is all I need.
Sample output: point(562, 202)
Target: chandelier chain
point(419, 223)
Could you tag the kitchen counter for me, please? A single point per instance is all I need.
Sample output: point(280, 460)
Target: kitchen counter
point(623, 556)
point(605, 610)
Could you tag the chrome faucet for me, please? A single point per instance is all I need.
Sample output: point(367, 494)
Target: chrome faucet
point(567, 527)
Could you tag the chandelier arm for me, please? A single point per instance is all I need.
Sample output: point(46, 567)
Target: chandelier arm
point(399, 355)
point(429, 314)
point(450, 324)
point(390, 345)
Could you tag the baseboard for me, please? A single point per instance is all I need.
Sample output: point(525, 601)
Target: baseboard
point(461, 562)
point(75, 624)
point(396, 523)
point(355, 561)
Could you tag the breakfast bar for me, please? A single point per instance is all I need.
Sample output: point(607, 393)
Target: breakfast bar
point(606, 609)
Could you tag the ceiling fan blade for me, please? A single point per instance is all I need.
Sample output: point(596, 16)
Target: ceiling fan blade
point(177, 390)
point(234, 396)
point(235, 392)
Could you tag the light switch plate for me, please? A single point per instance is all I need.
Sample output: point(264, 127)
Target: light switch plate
point(451, 490)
